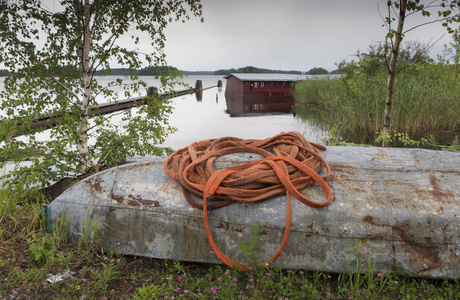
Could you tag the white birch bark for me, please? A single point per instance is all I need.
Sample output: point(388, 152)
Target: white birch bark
point(83, 122)
point(392, 69)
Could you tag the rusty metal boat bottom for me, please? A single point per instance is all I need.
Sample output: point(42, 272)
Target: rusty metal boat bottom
point(397, 208)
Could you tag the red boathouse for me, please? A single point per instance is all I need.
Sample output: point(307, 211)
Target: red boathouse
point(261, 85)
point(248, 93)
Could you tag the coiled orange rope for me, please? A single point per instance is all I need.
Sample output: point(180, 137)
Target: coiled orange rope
point(290, 164)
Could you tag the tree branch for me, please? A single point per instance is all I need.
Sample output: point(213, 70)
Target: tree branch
point(424, 24)
point(115, 35)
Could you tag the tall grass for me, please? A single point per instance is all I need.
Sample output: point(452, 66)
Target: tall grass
point(426, 103)
point(36, 265)
point(18, 217)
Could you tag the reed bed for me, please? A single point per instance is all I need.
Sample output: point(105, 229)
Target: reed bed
point(426, 104)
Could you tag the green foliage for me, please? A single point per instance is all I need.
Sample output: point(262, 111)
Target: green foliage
point(89, 237)
point(317, 71)
point(442, 11)
point(4, 73)
point(148, 292)
point(384, 137)
point(377, 59)
point(451, 51)
point(53, 59)
point(449, 15)
point(97, 277)
point(425, 103)
point(251, 69)
point(42, 248)
point(109, 272)
point(19, 216)
point(61, 227)
point(156, 71)
point(400, 138)
point(8, 201)
point(8, 204)
point(147, 71)
point(251, 250)
point(312, 90)
point(360, 271)
point(398, 11)
point(333, 139)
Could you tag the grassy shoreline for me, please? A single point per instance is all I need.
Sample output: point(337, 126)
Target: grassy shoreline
point(425, 110)
point(36, 265)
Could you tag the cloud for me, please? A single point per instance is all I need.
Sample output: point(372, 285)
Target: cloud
point(290, 34)
point(285, 35)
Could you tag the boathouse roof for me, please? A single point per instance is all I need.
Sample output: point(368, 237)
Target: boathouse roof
point(267, 77)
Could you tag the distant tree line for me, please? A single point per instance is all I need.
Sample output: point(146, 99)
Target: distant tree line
point(250, 69)
point(149, 71)
point(411, 54)
point(153, 71)
point(198, 72)
point(317, 71)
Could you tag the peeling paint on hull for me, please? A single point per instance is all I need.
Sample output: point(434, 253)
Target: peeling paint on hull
point(401, 205)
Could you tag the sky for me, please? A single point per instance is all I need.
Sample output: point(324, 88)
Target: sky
point(280, 34)
point(284, 35)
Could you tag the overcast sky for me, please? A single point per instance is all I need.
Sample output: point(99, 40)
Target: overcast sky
point(284, 35)
point(280, 34)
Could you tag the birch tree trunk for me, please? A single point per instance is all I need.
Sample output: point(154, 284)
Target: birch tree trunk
point(83, 122)
point(77, 38)
point(392, 69)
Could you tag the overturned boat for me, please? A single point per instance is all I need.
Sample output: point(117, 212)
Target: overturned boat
point(397, 208)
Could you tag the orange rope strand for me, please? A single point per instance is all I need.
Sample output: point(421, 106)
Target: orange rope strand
point(289, 164)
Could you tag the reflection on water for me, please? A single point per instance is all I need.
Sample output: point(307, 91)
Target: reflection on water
point(206, 117)
point(210, 116)
point(312, 114)
point(238, 106)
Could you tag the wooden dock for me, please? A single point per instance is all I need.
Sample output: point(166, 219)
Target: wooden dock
point(51, 120)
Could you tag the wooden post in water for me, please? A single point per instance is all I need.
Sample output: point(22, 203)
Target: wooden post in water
point(198, 86)
point(152, 91)
point(199, 90)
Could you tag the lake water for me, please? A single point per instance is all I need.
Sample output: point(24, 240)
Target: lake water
point(208, 119)
point(205, 119)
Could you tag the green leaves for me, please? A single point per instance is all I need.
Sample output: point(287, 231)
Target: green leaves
point(447, 12)
point(42, 248)
point(53, 70)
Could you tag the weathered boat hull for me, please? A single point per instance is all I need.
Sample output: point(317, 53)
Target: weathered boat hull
point(399, 206)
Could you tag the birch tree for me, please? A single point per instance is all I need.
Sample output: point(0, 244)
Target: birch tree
point(398, 11)
point(452, 51)
point(53, 49)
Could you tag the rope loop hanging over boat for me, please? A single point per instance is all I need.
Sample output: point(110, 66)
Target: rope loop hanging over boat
point(289, 164)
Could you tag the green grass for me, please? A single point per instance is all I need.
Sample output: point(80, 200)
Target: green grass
point(426, 105)
point(30, 259)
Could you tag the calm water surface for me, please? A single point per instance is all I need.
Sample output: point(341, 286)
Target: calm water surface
point(206, 119)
